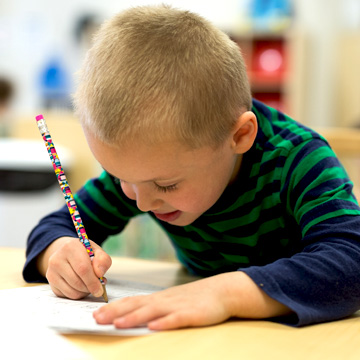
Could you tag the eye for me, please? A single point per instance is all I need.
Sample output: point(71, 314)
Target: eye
point(166, 188)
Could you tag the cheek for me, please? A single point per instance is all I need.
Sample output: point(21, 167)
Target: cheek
point(196, 201)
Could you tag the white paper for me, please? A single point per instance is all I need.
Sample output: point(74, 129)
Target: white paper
point(23, 338)
point(40, 304)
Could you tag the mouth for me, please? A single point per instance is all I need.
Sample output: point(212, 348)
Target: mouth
point(168, 217)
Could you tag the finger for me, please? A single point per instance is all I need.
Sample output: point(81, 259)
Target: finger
point(139, 317)
point(101, 261)
point(107, 313)
point(74, 280)
point(56, 276)
point(64, 290)
point(184, 317)
point(57, 292)
point(173, 321)
point(85, 272)
point(60, 272)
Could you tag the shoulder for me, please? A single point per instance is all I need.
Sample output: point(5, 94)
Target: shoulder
point(280, 134)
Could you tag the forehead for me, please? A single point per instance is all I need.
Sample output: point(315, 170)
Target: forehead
point(139, 162)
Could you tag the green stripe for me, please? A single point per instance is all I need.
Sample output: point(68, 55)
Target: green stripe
point(98, 197)
point(339, 193)
point(248, 197)
point(330, 174)
point(187, 243)
point(91, 215)
point(252, 216)
point(110, 186)
point(289, 163)
point(333, 214)
point(200, 263)
point(250, 240)
point(236, 258)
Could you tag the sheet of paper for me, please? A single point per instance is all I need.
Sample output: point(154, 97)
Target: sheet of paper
point(23, 338)
point(71, 316)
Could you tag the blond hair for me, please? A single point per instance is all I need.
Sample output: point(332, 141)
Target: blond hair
point(162, 73)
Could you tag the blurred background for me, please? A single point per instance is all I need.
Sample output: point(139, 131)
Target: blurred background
point(302, 56)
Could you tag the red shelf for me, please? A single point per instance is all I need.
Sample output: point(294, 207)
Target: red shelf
point(267, 67)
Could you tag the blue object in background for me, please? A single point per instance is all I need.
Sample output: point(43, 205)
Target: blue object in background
point(270, 14)
point(55, 85)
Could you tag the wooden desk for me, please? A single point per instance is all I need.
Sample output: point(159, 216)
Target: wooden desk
point(236, 339)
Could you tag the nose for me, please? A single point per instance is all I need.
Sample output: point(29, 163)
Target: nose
point(146, 200)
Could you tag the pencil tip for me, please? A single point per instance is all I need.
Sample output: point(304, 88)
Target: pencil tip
point(105, 294)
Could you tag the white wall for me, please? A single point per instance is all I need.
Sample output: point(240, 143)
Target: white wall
point(321, 21)
point(32, 30)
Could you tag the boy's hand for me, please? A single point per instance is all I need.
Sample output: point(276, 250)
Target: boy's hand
point(69, 269)
point(200, 303)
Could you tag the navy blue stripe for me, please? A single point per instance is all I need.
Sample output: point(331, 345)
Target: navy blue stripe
point(262, 108)
point(282, 116)
point(113, 200)
point(104, 215)
point(305, 151)
point(313, 173)
point(252, 228)
point(326, 186)
point(329, 206)
point(243, 209)
point(270, 165)
point(270, 246)
point(313, 133)
point(286, 134)
point(205, 255)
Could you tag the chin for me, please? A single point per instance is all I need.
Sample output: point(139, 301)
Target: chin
point(184, 221)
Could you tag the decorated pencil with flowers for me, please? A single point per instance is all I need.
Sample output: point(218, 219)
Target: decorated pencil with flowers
point(69, 198)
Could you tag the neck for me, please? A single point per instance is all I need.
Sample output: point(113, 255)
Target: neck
point(236, 170)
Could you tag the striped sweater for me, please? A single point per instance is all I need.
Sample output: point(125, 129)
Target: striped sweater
point(290, 221)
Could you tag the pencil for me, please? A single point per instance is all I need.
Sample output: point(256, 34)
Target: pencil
point(69, 198)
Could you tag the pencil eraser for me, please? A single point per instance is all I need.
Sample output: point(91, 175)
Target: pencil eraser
point(39, 117)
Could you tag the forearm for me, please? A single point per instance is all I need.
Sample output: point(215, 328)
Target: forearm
point(245, 299)
point(321, 283)
point(203, 302)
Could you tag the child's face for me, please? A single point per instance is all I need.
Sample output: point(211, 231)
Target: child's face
point(176, 184)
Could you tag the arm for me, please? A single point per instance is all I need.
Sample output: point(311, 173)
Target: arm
point(203, 302)
point(50, 228)
point(104, 211)
point(320, 281)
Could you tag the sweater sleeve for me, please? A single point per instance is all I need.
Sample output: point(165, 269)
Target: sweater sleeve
point(320, 281)
point(104, 210)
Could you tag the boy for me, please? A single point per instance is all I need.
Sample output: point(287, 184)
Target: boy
point(251, 200)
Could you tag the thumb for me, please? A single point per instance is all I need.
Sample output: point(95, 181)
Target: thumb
point(101, 261)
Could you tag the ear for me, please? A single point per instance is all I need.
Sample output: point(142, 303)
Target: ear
point(244, 132)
